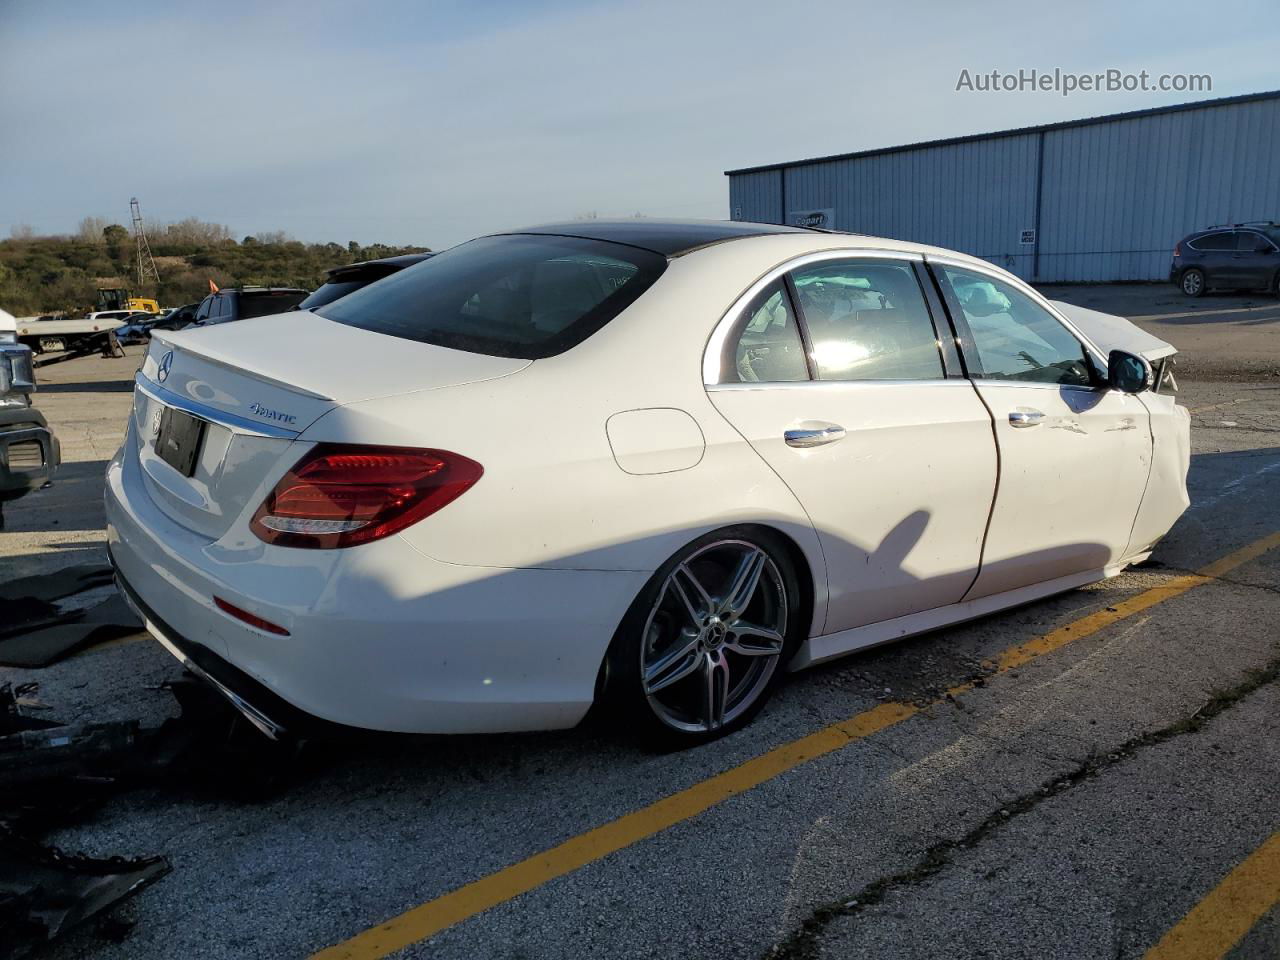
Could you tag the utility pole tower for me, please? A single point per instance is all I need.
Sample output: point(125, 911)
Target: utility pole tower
point(146, 263)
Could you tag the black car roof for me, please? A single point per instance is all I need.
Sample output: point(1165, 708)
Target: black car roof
point(400, 262)
point(250, 290)
point(670, 238)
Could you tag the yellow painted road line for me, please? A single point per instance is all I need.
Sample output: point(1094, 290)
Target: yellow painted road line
point(424, 921)
point(1220, 921)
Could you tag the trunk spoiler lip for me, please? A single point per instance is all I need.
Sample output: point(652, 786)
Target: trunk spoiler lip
point(256, 374)
point(240, 423)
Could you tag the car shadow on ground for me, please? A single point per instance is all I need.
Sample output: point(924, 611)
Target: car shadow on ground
point(73, 501)
point(84, 386)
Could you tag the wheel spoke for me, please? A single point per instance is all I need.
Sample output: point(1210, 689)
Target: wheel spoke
point(676, 664)
point(715, 688)
point(692, 595)
point(753, 641)
point(743, 586)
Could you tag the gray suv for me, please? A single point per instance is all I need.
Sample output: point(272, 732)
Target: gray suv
point(1237, 256)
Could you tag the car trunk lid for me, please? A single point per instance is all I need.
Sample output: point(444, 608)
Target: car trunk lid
point(256, 385)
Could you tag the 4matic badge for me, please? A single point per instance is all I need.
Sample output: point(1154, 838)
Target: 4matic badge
point(279, 416)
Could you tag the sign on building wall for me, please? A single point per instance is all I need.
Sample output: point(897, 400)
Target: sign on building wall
point(824, 218)
point(1028, 237)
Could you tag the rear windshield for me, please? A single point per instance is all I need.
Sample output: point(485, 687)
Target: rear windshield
point(524, 295)
point(274, 301)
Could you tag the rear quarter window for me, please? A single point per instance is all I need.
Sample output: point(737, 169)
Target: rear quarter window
point(264, 304)
point(520, 295)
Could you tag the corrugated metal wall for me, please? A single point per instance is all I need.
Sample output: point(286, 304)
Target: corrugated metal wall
point(1114, 196)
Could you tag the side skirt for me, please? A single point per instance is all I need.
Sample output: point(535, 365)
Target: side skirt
point(831, 645)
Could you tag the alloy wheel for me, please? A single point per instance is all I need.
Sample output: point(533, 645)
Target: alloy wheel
point(1192, 282)
point(714, 636)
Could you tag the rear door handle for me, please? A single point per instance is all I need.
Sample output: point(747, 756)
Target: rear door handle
point(814, 436)
point(1026, 418)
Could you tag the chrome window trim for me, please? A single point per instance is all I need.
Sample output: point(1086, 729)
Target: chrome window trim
point(1077, 387)
point(843, 384)
point(236, 422)
point(712, 353)
point(1018, 284)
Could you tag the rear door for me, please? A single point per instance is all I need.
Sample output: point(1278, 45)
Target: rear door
point(1217, 253)
point(836, 374)
point(1074, 456)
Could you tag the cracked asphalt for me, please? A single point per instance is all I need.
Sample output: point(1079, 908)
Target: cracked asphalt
point(1075, 806)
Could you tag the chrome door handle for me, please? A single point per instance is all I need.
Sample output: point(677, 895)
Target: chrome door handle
point(1026, 418)
point(814, 437)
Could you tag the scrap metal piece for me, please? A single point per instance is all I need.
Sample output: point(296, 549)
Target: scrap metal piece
point(41, 645)
point(44, 892)
point(48, 587)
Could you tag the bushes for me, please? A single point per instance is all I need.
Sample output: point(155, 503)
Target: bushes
point(60, 274)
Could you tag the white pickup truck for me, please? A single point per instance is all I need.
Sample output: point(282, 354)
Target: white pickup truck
point(29, 452)
point(49, 335)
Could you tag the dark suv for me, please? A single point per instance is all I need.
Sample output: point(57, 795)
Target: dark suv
point(244, 303)
point(340, 281)
point(1237, 256)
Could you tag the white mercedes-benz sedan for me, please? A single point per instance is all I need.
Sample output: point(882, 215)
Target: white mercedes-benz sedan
point(646, 465)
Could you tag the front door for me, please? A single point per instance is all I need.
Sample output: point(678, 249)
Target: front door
point(835, 376)
point(1254, 262)
point(1074, 455)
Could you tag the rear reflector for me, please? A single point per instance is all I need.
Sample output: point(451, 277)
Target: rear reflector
point(340, 495)
point(232, 610)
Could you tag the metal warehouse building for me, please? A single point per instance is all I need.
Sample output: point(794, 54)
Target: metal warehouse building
point(1099, 199)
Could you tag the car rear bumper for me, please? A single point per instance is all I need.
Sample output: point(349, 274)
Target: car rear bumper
point(29, 452)
point(379, 636)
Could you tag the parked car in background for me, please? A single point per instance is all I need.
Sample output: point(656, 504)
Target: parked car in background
point(651, 464)
point(29, 452)
point(244, 303)
point(177, 318)
point(1238, 256)
point(138, 326)
point(351, 277)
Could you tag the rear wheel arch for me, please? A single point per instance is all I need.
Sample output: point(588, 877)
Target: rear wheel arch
point(787, 550)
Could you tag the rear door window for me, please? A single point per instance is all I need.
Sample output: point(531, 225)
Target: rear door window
point(867, 320)
point(269, 302)
point(518, 295)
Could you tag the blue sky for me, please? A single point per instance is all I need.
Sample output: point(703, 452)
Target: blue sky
point(432, 122)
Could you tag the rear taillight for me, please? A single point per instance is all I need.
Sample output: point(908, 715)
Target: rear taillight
point(339, 495)
point(1177, 249)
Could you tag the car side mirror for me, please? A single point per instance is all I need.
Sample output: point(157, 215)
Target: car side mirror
point(1128, 372)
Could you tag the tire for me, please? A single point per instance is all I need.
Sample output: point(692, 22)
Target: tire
point(1275, 285)
point(679, 672)
point(1192, 282)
